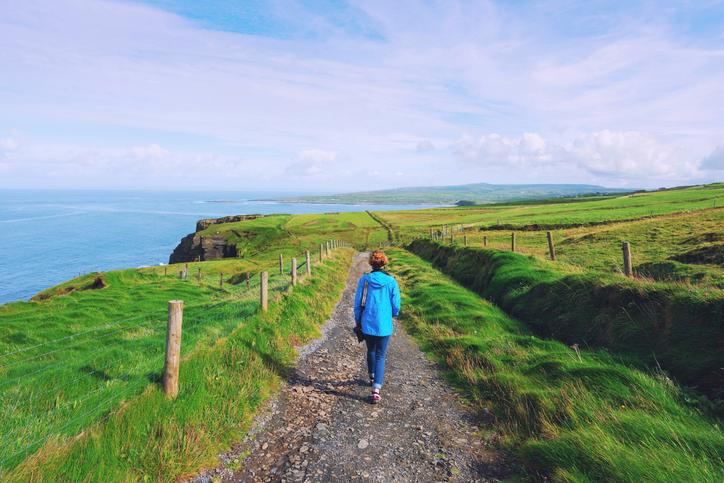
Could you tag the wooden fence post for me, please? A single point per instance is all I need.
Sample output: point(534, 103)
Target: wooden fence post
point(198, 275)
point(180, 274)
point(452, 238)
point(627, 267)
point(465, 238)
point(173, 348)
point(248, 279)
point(264, 290)
point(281, 264)
point(485, 240)
point(321, 252)
point(165, 270)
point(512, 242)
point(294, 272)
point(309, 263)
point(551, 247)
point(221, 279)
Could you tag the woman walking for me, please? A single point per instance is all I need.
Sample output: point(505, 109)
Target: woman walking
point(376, 301)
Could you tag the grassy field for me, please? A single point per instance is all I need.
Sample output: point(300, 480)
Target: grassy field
point(575, 416)
point(84, 347)
point(79, 365)
point(264, 238)
point(649, 323)
point(552, 215)
point(149, 438)
point(681, 242)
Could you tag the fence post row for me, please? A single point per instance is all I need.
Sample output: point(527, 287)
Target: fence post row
point(627, 266)
point(294, 271)
point(264, 290)
point(551, 247)
point(173, 348)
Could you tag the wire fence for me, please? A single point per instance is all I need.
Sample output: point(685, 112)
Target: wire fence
point(58, 387)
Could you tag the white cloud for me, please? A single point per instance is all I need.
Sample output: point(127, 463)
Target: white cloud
point(715, 161)
point(9, 144)
point(312, 162)
point(497, 150)
point(438, 75)
point(610, 154)
point(629, 154)
point(424, 146)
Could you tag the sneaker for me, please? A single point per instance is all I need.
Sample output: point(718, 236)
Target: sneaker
point(375, 397)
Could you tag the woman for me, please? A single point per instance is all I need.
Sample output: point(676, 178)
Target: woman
point(376, 301)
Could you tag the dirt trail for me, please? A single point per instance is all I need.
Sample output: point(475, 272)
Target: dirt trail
point(321, 427)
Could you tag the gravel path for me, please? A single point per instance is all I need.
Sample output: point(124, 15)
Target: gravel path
point(322, 428)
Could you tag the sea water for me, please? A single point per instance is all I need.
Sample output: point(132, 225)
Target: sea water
point(47, 237)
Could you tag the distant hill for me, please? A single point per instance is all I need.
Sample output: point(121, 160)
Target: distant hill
point(481, 193)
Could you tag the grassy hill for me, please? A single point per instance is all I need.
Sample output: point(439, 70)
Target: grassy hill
point(675, 234)
point(571, 414)
point(79, 365)
point(478, 193)
point(87, 356)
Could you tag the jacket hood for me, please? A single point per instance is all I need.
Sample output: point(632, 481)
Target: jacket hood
point(378, 279)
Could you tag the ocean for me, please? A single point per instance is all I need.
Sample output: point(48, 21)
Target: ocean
point(47, 237)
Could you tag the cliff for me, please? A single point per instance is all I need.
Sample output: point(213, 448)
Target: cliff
point(195, 246)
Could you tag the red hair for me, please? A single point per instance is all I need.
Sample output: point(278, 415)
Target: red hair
point(378, 259)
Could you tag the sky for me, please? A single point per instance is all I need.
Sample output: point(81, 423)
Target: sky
point(334, 96)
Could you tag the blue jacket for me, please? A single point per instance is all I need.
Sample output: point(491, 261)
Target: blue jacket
point(383, 303)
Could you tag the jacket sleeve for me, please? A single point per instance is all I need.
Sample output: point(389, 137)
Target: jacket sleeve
point(395, 299)
point(358, 297)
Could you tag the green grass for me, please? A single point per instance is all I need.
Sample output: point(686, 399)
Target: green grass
point(680, 225)
point(262, 239)
point(556, 215)
point(588, 419)
point(675, 326)
point(77, 353)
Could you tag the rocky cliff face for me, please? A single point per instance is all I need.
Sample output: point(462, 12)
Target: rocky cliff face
point(195, 247)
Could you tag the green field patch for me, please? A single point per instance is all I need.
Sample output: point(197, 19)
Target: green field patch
point(671, 325)
point(93, 410)
point(571, 415)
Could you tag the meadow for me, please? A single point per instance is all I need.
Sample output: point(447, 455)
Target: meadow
point(148, 437)
point(80, 363)
point(561, 213)
point(82, 348)
point(651, 324)
point(265, 238)
point(570, 413)
point(681, 242)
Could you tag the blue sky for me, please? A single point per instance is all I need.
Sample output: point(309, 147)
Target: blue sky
point(339, 96)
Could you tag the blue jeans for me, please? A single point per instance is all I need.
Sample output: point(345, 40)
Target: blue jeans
point(376, 349)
